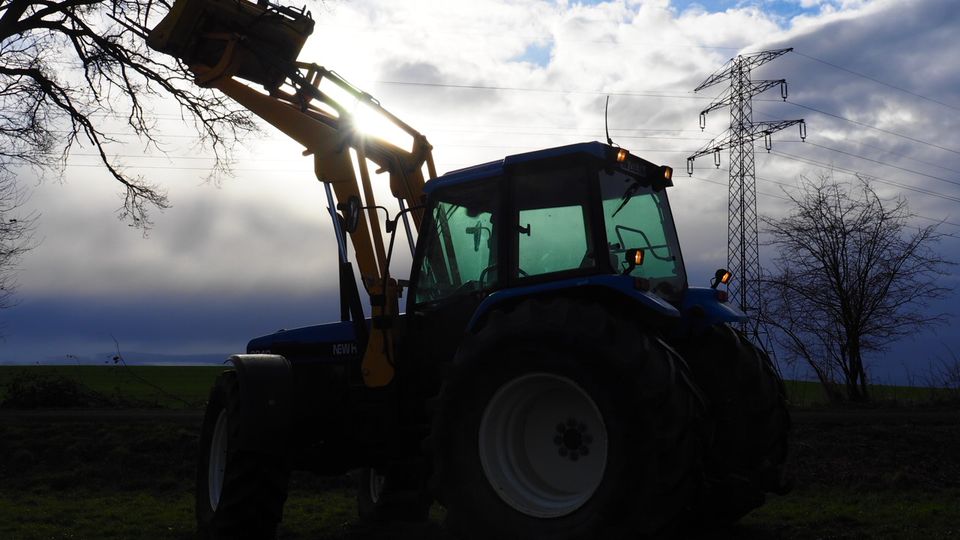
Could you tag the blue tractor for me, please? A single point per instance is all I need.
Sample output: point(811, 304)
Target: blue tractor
point(553, 374)
point(556, 377)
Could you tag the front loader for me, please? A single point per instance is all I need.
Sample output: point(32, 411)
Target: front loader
point(553, 375)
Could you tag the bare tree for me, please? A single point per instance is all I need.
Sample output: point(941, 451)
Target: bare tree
point(14, 235)
point(68, 68)
point(851, 276)
point(71, 70)
point(943, 377)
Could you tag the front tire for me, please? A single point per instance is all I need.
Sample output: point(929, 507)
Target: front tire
point(240, 493)
point(562, 421)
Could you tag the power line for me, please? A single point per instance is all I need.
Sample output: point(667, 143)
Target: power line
point(794, 186)
point(597, 134)
point(863, 124)
point(559, 128)
point(892, 153)
point(885, 164)
point(724, 184)
point(496, 128)
point(166, 168)
point(629, 94)
point(945, 222)
point(454, 145)
point(878, 81)
point(876, 178)
point(788, 199)
point(641, 93)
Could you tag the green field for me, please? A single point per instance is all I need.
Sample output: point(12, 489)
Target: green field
point(184, 387)
point(173, 387)
point(811, 394)
point(134, 479)
point(126, 478)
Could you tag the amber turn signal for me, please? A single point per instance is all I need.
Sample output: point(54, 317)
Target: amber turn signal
point(723, 276)
point(633, 258)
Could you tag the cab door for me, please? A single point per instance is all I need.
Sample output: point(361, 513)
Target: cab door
point(455, 268)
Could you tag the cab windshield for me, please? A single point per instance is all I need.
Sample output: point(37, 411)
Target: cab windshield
point(460, 255)
point(637, 217)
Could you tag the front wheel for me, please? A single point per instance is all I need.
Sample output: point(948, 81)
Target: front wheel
point(560, 421)
point(240, 493)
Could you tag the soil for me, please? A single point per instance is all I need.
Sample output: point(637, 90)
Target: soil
point(886, 451)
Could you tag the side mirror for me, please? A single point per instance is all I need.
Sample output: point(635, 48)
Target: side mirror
point(477, 232)
point(351, 210)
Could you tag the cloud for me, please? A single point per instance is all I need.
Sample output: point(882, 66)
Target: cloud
point(46, 327)
point(478, 97)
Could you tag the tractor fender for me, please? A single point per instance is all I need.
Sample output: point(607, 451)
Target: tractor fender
point(266, 401)
point(702, 307)
point(623, 285)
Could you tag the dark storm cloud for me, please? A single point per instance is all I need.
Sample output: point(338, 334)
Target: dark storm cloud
point(914, 153)
point(50, 327)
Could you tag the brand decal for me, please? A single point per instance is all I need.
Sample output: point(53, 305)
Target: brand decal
point(341, 349)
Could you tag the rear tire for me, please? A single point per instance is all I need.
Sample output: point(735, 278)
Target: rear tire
point(561, 421)
point(240, 493)
point(748, 409)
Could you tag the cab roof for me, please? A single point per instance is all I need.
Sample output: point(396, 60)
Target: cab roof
point(497, 168)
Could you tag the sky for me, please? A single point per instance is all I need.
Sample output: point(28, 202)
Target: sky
point(875, 81)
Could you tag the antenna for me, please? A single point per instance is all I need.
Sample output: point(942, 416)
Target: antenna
point(606, 124)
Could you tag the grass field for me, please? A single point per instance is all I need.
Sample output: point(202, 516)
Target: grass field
point(175, 387)
point(811, 394)
point(180, 387)
point(130, 480)
point(133, 478)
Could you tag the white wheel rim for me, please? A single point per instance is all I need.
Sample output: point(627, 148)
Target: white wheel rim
point(217, 462)
point(543, 445)
point(376, 485)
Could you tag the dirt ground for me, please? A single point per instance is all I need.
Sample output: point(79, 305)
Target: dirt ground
point(890, 473)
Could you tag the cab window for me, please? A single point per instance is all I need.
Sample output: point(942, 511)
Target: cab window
point(553, 226)
point(638, 217)
point(460, 255)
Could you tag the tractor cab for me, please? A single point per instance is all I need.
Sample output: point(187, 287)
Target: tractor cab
point(571, 212)
point(581, 215)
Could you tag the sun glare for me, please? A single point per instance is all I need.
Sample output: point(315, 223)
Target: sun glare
point(368, 120)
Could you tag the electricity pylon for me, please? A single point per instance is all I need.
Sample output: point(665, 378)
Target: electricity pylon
point(743, 252)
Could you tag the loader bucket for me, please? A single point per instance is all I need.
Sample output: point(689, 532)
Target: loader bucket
point(253, 41)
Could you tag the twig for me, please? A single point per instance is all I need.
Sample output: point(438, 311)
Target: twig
point(118, 359)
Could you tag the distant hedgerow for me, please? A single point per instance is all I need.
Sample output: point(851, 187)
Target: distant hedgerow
point(45, 390)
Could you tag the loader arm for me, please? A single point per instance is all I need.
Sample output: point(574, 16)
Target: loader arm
point(229, 44)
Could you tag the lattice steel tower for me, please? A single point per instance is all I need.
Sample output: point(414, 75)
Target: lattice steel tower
point(743, 257)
